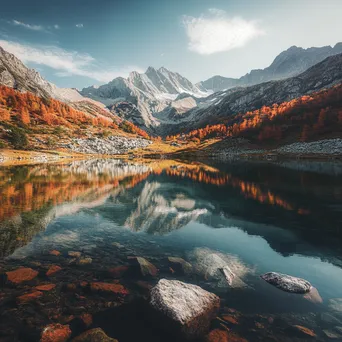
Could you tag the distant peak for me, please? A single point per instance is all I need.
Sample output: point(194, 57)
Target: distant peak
point(163, 69)
point(150, 69)
point(133, 74)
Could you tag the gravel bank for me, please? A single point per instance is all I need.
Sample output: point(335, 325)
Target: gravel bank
point(112, 145)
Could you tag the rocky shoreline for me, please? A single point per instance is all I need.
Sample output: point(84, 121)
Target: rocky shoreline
point(329, 148)
point(113, 145)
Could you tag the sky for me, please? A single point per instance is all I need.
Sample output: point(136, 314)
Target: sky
point(78, 43)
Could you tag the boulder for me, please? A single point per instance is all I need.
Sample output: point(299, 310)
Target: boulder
point(56, 333)
point(287, 283)
point(52, 270)
point(147, 269)
point(94, 335)
point(336, 304)
point(184, 308)
point(222, 270)
point(21, 274)
point(180, 265)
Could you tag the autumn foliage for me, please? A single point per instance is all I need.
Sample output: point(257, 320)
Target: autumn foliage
point(310, 117)
point(29, 109)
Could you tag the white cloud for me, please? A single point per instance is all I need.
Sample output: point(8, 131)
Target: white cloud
point(79, 25)
point(66, 63)
point(56, 27)
point(216, 32)
point(28, 26)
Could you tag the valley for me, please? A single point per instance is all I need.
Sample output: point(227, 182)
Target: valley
point(160, 113)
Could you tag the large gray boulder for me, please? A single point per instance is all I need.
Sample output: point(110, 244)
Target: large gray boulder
point(184, 308)
point(287, 283)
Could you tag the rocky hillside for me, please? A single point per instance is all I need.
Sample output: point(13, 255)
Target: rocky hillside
point(291, 62)
point(14, 74)
point(322, 75)
point(139, 97)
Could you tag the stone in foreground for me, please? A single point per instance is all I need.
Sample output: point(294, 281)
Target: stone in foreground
point(287, 283)
point(185, 308)
point(21, 274)
point(94, 335)
point(56, 333)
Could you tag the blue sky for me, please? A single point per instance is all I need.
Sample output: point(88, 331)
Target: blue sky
point(76, 43)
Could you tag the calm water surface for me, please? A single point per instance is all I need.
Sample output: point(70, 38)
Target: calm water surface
point(284, 217)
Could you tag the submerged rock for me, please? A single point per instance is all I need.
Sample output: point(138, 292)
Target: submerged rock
point(119, 271)
point(46, 287)
point(221, 269)
point(52, 270)
point(303, 331)
point(74, 254)
point(56, 333)
point(180, 265)
point(21, 274)
point(219, 335)
point(146, 268)
point(185, 307)
point(94, 335)
point(332, 335)
point(85, 261)
point(336, 304)
point(287, 283)
point(109, 287)
point(313, 296)
point(28, 297)
point(55, 253)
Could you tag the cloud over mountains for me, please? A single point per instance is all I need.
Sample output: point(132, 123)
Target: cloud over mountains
point(215, 32)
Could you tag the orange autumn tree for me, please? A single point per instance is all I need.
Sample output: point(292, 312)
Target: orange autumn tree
point(307, 117)
point(29, 109)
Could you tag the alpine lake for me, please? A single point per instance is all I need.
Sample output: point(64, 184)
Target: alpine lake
point(82, 243)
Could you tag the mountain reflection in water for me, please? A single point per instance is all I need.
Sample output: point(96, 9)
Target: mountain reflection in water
point(160, 196)
point(258, 217)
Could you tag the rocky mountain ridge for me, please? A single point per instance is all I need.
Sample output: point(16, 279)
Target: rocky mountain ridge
point(147, 94)
point(240, 100)
point(288, 63)
point(14, 74)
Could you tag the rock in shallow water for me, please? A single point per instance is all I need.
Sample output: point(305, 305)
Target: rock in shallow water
point(180, 265)
point(287, 283)
point(336, 304)
point(185, 307)
point(56, 333)
point(21, 274)
point(146, 268)
point(220, 269)
point(94, 335)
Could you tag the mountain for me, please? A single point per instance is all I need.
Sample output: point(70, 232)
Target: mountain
point(144, 95)
point(14, 74)
point(291, 62)
point(241, 100)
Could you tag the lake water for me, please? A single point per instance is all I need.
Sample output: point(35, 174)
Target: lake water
point(283, 217)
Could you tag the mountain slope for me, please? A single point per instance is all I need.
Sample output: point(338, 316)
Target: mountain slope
point(322, 75)
point(291, 62)
point(144, 95)
point(14, 74)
